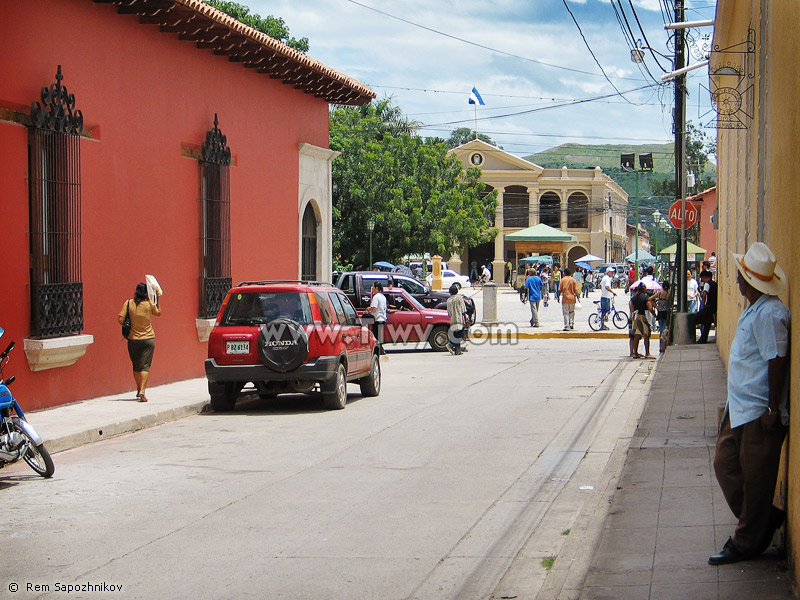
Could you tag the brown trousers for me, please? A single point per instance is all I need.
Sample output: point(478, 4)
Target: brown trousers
point(746, 464)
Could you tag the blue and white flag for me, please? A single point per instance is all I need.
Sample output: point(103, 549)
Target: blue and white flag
point(475, 98)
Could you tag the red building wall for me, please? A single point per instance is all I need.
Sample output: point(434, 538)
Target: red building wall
point(145, 95)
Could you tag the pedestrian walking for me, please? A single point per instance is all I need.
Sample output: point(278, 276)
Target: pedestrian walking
point(534, 284)
point(544, 275)
point(457, 310)
point(141, 337)
point(567, 294)
point(556, 280)
point(379, 310)
point(641, 305)
point(755, 421)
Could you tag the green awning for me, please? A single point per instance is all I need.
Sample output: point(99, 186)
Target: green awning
point(540, 233)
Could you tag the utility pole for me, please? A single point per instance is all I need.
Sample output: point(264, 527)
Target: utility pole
point(611, 230)
point(680, 150)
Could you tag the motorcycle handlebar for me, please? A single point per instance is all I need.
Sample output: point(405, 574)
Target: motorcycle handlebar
point(7, 350)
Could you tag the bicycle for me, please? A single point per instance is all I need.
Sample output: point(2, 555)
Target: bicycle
point(619, 317)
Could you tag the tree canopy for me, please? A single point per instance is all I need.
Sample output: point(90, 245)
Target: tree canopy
point(274, 27)
point(462, 135)
point(419, 198)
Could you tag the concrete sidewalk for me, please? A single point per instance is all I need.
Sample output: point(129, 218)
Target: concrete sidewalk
point(668, 515)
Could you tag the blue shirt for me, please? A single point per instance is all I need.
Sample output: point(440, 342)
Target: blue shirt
point(534, 285)
point(761, 335)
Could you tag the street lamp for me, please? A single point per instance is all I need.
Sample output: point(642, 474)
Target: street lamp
point(628, 163)
point(371, 227)
point(657, 220)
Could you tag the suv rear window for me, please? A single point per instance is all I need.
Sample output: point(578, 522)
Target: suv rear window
point(254, 308)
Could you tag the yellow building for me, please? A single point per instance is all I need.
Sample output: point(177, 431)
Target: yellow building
point(585, 203)
point(755, 83)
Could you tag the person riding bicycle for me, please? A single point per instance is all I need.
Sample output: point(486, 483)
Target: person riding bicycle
point(606, 293)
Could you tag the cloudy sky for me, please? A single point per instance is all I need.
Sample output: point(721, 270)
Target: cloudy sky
point(527, 58)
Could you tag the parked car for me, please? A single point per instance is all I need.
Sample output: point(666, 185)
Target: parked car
point(620, 273)
point(409, 321)
point(449, 277)
point(289, 336)
point(358, 285)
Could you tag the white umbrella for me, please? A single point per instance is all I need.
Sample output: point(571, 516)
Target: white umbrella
point(589, 258)
point(643, 255)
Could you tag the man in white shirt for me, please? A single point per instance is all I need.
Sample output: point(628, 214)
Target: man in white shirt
point(377, 307)
point(606, 293)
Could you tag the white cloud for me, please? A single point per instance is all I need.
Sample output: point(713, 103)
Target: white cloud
point(399, 59)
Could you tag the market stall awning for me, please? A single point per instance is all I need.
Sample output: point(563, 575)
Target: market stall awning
point(540, 233)
point(690, 249)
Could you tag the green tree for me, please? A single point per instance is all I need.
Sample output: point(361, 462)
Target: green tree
point(274, 27)
point(462, 135)
point(698, 148)
point(420, 199)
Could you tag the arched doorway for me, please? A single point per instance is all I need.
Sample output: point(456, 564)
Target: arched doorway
point(309, 232)
point(575, 252)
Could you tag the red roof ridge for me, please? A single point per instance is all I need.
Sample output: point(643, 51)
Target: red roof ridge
point(272, 43)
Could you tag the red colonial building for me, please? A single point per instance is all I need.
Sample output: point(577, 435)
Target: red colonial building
point(149, 136)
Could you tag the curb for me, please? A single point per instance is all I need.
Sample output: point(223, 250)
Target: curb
point(75, 440)
point(569, 572)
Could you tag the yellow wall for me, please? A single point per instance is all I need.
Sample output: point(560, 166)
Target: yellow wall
point(758, 192)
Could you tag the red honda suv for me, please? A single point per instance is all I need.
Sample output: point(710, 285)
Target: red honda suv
point(289, 336)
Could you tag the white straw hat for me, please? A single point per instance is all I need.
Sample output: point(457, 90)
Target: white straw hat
point(759, 267)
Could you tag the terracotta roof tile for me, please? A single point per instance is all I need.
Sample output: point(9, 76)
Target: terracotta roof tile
point(209, 28)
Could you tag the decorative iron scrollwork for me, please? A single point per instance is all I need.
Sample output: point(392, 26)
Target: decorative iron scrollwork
point(215, 148)
point(56, 112)
point(214, 291)
point(56, 309)
point(732, 71)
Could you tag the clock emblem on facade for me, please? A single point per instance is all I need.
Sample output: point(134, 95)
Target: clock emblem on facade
point(476, 159)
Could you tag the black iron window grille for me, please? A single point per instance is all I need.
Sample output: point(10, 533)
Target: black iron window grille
point(54, 181)
point(309, 266)
point(216, 207)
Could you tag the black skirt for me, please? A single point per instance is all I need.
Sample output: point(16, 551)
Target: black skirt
point(141, 353)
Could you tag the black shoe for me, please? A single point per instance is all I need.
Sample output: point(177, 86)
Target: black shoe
point(729, 554)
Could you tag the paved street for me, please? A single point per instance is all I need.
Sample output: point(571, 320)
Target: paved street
point(462, 480)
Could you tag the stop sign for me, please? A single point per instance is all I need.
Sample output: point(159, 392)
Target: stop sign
point(676, 214)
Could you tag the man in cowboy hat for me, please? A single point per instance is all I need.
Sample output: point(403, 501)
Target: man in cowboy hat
point(755, 421)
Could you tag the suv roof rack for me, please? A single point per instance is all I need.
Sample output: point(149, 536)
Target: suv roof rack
point(269, 281)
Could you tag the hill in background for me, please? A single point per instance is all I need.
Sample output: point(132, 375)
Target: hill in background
point(607, 157)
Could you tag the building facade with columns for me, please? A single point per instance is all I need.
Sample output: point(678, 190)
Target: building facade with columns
point(586, 203)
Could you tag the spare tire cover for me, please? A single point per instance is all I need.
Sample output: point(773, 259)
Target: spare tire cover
point(282, 345)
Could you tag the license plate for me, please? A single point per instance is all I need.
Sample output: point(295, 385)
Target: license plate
point(237, 348)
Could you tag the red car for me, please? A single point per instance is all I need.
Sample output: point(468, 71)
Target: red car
point(409, 321)
point(289, 336)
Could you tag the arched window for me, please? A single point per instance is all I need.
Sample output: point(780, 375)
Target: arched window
point(309, 261)
point(578, 211)
point(515, 206)
point(550, 210)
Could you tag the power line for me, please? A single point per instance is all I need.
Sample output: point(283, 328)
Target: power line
point(471, 43)
point(590, 50)
point(533, 110)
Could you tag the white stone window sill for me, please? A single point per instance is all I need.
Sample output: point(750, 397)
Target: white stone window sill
point(56, 352)
point(204, 327)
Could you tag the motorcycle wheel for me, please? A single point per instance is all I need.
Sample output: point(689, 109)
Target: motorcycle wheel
point(37, 457)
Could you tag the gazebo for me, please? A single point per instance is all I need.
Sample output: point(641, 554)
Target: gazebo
point(541, 239)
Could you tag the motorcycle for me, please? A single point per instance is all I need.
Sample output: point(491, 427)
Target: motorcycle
point(18, 439)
